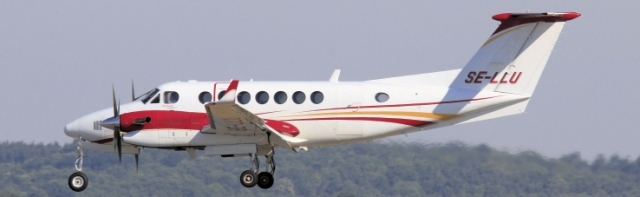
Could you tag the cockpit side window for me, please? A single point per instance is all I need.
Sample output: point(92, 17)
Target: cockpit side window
point(149, 95)
point(171, 97)
point(156, 100)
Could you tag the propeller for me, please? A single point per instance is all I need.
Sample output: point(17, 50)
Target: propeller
point(114, 123)
point(116, 130)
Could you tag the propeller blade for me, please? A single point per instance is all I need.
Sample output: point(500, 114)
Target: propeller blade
point(119, 136)
point(115, 138)
point(136, 157)
point(119, 142)
point(133, 92)
point(113, 96)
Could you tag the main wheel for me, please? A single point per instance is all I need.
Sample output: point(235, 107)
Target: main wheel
point(78, 181)
point(248, 178)
point(265, 180)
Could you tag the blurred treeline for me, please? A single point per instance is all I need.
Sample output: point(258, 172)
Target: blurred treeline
point(366, 169)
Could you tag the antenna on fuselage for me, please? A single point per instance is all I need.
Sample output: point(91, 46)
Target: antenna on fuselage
point(335, 76)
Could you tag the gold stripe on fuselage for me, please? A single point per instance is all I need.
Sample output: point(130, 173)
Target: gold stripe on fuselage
point(388, 113)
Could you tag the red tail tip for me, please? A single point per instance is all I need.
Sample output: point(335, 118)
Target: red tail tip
point(501, 16)
point(570, 16)
point(559, 16)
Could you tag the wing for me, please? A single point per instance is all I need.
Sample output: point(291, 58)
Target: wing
point(228, 118)
point(224, 117)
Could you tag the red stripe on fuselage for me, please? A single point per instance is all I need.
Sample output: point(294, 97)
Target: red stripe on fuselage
point(164, 119)
point(404, 105)
point(409, 122)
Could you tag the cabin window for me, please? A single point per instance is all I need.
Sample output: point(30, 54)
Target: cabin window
point(221, 93)
point(298, 97)
point(171, 97)
point(382, 97)
point(204, 97)
point(262, 97)
point(280, 97)
point(244, 97)
point(317, 97)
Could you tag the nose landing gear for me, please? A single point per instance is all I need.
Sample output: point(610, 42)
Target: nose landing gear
point(78, 181)
point(264, 180)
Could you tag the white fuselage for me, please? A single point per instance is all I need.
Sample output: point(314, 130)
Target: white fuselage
point(348, 112)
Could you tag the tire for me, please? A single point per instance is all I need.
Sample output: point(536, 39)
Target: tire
point(248, 179)
point(265, 180)
point(78, 181)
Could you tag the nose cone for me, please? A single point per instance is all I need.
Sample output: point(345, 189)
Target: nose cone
point(71, 129)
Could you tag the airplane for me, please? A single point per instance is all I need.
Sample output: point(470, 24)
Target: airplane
point(251, 118)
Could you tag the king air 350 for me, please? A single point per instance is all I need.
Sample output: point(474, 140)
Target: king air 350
point(249, 118)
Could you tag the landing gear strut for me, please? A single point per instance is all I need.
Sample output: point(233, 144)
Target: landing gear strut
point(78, 181)
point(264, 180)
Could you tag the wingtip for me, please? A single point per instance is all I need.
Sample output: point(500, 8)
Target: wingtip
point(231, 90)
point(233, 85)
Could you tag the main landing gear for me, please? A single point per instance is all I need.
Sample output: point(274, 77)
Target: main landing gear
point(264, 180)
point(78, 181)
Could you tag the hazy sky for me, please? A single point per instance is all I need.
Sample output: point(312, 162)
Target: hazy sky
point(58, 60)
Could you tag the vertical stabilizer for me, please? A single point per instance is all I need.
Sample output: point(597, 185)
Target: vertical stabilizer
point(512, 59)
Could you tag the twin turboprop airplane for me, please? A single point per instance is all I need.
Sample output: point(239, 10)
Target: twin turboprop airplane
point(250, 118)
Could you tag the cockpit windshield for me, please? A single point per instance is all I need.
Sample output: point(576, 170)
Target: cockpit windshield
point(146, 96)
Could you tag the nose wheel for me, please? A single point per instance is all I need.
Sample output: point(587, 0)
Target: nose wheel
point(264, 180)
point(78, 181)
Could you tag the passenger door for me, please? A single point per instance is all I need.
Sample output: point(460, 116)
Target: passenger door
point(349, 123)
